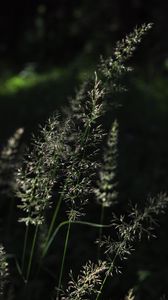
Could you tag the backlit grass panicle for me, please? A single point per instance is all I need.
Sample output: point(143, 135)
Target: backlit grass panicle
point(12, 145)
point(129, 231)
point(87, 282)
point(36, 178)
point(80, 172)
point(114, 67)
point(3, 269)
point(106, 192)
point(82, 147)
point(125, 48)
point(81, 160)
point(9, 161)
point(87, 105)
point(95, 105)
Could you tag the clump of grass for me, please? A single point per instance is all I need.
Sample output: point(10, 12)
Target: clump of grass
point(63, 169)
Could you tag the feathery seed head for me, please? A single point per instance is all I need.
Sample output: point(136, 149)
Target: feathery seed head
point(113, 68)
point(12, 144)
point(106, 191)
point(36, 178)
point(9, 161)
point(127, 232)
point(87, 282)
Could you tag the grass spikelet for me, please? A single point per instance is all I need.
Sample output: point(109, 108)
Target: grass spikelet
point(114, 67)
point(106, 191)
point(87, 282)
point(9, 160)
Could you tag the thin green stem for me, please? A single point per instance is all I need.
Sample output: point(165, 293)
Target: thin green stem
point(31, 253)
point(104, 281)
point(47, 246)
point(53, 220)
point(107, 273)
point(13, 256)
point(54, 217)
point(27, 227)
point(24, 247)
point(63, 260)
point(72, 222)
point(92, 224)
point(100, 230)
point(19, 269)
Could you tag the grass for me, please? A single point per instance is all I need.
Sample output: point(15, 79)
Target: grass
point(62, 174)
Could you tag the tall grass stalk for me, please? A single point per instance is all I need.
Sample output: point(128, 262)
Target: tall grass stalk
point(63, 260)
point(110, 269)
point(24, 247)
point(32, 253)
point(53, 221)
point(101, 230)
point(106, 192)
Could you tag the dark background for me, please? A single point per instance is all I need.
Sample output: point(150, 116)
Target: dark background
point(46, 48)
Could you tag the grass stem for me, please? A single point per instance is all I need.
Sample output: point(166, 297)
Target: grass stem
point(100, 230)
point(95, 225)
point(108, 273)
point(31, 254)
point(63, 260)
point(24, 247)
